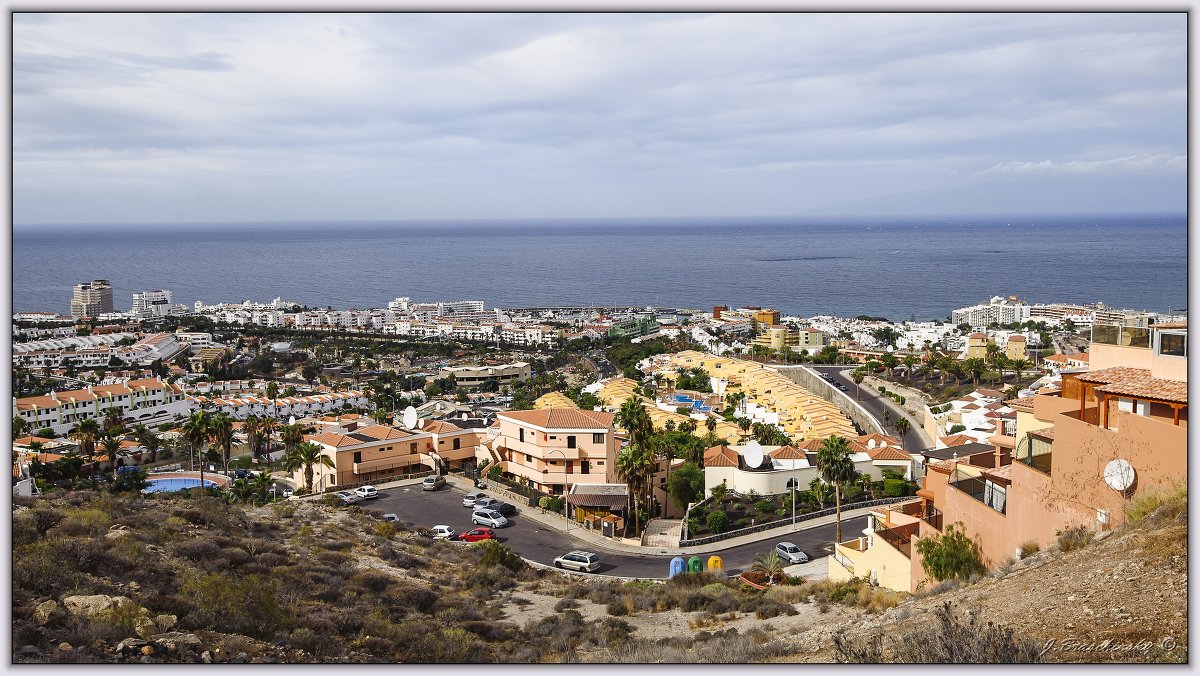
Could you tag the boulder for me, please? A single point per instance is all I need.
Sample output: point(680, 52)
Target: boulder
point(145, 627)
point(29, 651)
point(88, 606)
point(130, 646)
point(65, 646)
point(48, 612)
point(176, 640)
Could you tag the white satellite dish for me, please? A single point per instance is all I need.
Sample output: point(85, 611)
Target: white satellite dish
point(292, 420)
point(409, 417)
point(1119, 475)
point(871, 443)
point(753, 453)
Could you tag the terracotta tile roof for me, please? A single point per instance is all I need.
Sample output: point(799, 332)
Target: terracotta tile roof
point(563, 418)
point(1021, 404)
point(720, 456)
point(29, 403)
point(957, 440)
point(1170, 325)
point(335, 440)
point(1159, 389)
point(978, 335)
point(888, 454)
point(1004, 473)
point(943, 465)
point(440, 427)
point(1056, 358)
point(970, 407)
point(1082, 356)
point(788, 453)
point(381, 432)
point(1016, 338)
point(1045, 432)
point(1116, 374)
point(989, 393)
point(25, 441)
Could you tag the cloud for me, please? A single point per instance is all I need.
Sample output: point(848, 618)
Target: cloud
point(1157, 163)
point(460, 115)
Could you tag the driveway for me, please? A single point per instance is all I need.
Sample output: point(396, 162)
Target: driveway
point(876, 405)
point(536, 542)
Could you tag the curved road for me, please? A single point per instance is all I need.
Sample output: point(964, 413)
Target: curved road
point(533, 540)
point(876, 405)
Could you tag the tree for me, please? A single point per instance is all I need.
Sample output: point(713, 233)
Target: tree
point(267, 427)
point(19, 426)
point(633, 466)
point(744, 424)
point(951, 555)
point(304, 457)
point(272, 394)
point(1020, 365)
point(910, 362)
point(292, 434)
point(152, 443)
point(310, 372)
point(902, 426)
point(686, 485)
point(836, 467)
point(857, 376)
point(113, 420)
point(220, 432)
point(769, 565)
point(711, 425)
point(195, 432)
point(131, 479)
point(976, 367)
point(86, 432)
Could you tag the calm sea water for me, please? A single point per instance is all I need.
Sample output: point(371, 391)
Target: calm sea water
point(895, 268)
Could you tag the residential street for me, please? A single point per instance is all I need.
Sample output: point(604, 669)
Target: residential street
point(876, 405)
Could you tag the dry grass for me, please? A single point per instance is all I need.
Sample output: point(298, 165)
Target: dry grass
point(1166, 504)
point(852, 593)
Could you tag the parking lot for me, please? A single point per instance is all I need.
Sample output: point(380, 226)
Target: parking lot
point(534, 541)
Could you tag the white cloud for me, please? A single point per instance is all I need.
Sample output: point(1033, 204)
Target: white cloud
point(1158, 163)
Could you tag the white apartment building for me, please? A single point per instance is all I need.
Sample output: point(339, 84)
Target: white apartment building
point(195, 339)
point(472, 376)
point(148, 401)
point(157, 303)
point(997, 310)
point(400, 304)
point(91, 299)
point(281, 407)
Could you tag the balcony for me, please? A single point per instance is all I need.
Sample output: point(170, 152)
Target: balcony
point(981, 489)
point(899, 537)
point(1124, 336)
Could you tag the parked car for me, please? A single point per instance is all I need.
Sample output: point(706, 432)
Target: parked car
point(486, 503)
point(391, 518)
point(583, 562)
point(505, 508)
point(488, 517)
point(470, 498)
point(432, 483)
point(347, 497)
point(791, 553)
point(442, 532)
point(366, 492)
point(477, 534)
point(243, 474)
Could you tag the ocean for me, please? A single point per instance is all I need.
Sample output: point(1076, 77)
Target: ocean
point(897, 268)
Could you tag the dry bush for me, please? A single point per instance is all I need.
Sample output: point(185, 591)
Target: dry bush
point(1029, 549)
point(726, 648)
point(948, 640)
point(787, 594)
point(1164, 504)
point(84, 522)
point(1071, 539)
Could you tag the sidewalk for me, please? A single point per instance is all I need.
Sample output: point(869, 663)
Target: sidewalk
point(626, 546)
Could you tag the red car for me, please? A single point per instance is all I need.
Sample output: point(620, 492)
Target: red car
point(477, 534)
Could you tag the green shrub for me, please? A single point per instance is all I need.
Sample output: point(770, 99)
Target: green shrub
point(764, 505)
point(497, 554)
point(894, 488)
point(956, 428)
point(617, 607)
point(717, 521)
point(952, 555)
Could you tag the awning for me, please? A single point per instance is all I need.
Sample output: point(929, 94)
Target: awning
point(610, 502)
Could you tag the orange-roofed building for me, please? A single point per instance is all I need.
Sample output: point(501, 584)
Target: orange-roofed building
point(555, 448)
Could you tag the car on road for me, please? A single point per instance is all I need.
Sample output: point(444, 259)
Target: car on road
point(488, 517)
point(477, 534)
point(391, 518)
point(841, 387)
point(432, 483)
point(346, 497)
point(442, 532)
point(243, 474)
point(470, 498)
point(583, 562)
point(505, 508)
point(486, 503)
point(366, 492)
point(791, 553)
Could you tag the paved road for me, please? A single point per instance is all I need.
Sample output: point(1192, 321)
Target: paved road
point(874, 403)
point(533, 540)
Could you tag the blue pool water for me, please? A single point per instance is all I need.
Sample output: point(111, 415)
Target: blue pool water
point(174, 484)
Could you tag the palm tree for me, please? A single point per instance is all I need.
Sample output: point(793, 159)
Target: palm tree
point(857, 376)
point(113, 418)
point(262, 483)
point(151, 442)
point(976, 367)
point(86, 432)
point(1020, 365)
point(241, 490)
point(633, 464)
point(111, 445)
point(267, 427)
point(769, 564)
point(19, 426)
point(902, 426)
point(291, 435)
point(195, 431)
point(220, 432)
point(818, 490)
point(744, 424)
point(250, 426)
point(711, 425)
point(836, 467)
point(910, 362)
point(272, 394)
point(304, 456)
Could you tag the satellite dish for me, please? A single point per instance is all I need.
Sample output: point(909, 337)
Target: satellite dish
point(753, 453)
point(292, 420)
point(1119, 475)
point(871, 443)
point(409, 418)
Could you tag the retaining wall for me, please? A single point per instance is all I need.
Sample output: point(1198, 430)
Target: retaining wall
point(811, 381)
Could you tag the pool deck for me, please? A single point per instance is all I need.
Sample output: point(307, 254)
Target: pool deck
point(219, 479)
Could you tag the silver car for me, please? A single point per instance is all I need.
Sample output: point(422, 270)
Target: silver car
point(470, 498)
point(488, 517)
point(487, 503)
point(578, 561)
point(791, 553)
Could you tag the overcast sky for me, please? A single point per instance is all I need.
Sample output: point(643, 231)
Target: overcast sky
point(223, 117)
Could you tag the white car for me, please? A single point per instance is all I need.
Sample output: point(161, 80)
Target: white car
point(578, 561)
point(488, 517)
point(791, 553)
point(470, 498)
point(487, 503)
point(442, 532)
point(346, 497)
point(366, 492)
point(391, 518)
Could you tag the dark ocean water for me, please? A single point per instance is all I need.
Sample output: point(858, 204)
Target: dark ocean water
point(869, 266)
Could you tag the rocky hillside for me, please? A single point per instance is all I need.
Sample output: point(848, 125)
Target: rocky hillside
point(104, 578)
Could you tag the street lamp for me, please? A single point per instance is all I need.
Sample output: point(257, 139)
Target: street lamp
point(566, 519)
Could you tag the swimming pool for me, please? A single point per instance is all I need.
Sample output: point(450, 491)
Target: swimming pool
point(172, 484)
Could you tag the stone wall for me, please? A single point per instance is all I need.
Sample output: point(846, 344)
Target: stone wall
point(809, 380)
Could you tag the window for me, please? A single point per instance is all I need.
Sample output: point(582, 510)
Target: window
point(1172, 344)
point(553, 437)
point(521, 434)
point(585, 467)
point(597, 438)
point(457, 444)
point(412, 448)
point(571, 441)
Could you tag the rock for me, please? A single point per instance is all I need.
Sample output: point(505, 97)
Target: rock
point(29, 651)
point(177, 640)
point(147, 650)
point(130, 646)
point(87, 606)
point(206, 657)
point(135, 586)
point(65, 646)
point(48, 612)
point(145, 627)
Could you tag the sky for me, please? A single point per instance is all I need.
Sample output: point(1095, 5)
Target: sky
point(158, 118)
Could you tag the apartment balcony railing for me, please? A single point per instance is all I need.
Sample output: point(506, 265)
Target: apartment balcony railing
point(982, 490)
point(1125, 336)
point(932, 516)
point(900, 538)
